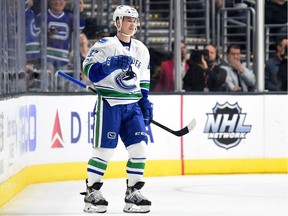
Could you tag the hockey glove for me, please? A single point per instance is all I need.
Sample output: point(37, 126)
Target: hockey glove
point(147, 110)
point(116, 62)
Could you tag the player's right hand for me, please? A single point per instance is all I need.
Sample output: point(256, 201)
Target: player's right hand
point(117, 62)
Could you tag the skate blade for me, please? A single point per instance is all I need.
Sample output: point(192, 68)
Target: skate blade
point(132, 208)
point(89, 208)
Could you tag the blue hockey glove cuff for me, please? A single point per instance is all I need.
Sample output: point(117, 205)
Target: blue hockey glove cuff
point(116, 62)
point(147, 110)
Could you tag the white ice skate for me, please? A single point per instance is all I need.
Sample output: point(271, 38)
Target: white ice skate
point(135, 201)
point(94, 201)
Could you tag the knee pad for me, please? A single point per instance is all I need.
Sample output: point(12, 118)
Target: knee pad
point(137, 150)
point(103, 153)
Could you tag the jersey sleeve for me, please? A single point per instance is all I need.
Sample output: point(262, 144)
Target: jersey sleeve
point(92, 64)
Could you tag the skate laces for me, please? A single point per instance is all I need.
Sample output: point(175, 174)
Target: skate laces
point(136, 195)
point(95, 194)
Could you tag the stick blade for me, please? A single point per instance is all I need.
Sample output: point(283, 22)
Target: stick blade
point(186, 129)
point(192, 125)
point(181, 132)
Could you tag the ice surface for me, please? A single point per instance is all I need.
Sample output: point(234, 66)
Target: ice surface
point(196, 195)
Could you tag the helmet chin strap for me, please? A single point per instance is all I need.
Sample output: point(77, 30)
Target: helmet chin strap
point(127, 35)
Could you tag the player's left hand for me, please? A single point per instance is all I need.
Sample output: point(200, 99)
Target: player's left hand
point(147, 110)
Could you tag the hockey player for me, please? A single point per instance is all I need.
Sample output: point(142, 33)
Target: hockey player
point(119, 68)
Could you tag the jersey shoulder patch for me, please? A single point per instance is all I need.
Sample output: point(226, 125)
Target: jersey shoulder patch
point(103, 40)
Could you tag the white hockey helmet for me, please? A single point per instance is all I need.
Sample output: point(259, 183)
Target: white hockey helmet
point(122, 11)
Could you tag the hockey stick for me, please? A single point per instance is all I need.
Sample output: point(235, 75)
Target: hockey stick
point(181, 132)
point(79, 83)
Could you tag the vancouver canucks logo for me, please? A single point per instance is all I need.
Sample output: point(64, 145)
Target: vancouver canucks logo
point(226, 125)
point(126, 80)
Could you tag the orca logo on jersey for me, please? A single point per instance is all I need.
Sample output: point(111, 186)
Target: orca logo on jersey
point(126, 80)
point(58, 30)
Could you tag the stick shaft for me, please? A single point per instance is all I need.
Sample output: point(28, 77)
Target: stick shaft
point(83, 85)
point(161, 126)
point(79, 83)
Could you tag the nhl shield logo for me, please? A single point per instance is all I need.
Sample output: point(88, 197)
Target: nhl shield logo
point(225, 126)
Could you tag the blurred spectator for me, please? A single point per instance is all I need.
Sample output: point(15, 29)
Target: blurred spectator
point(33, 77)
point(165, 82)
point(204, 73)
point(84, 48)
point(95, 32)
point(36, 7)
point(276, 13)
point(218, 4)
point(217, 75)
point(32, 36)
point(283, 33)
point(272, 83)
point(282, 72)
point(196, 78)
point(60, 28)
point(103, 32)
point(19, 79)
point(239, 77)
point(157, 56)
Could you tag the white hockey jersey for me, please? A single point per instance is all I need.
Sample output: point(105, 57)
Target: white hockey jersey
point(118, 87)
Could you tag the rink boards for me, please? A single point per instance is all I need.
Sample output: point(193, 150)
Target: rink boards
point(48, 138)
